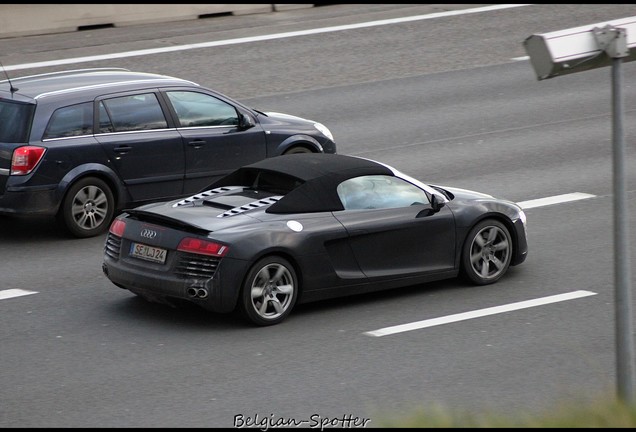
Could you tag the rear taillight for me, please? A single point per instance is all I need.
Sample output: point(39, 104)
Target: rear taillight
point(25, 159)
point(202, 247)
point(117, 227)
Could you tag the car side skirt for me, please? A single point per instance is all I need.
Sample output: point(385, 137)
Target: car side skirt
point(379, 285)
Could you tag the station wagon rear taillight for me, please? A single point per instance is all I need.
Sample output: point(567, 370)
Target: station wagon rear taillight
point(25, 159)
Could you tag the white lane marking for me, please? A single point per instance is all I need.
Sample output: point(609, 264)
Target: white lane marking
point(10, 293)
point(557, 199)
point(478, 313)
point(521, 58)
point(260, 38)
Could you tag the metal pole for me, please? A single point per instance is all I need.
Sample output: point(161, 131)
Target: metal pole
point(622, 278)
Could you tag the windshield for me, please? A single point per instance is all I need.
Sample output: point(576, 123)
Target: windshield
point(15, 121)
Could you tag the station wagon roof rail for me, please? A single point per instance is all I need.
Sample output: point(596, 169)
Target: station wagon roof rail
point(65, 73)
point(103, 85)
point(63, 83)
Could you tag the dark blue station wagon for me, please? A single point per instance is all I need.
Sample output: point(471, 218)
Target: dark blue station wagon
point(85, 144)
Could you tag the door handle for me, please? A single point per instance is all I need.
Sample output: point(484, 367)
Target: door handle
point(122, 149)
point(197, 143)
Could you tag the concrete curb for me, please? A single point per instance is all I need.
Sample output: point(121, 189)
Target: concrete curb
point(38, 19)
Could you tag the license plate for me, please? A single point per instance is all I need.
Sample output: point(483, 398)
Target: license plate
point(148, 253)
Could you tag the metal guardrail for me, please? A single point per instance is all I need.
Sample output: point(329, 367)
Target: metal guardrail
point(38, 19)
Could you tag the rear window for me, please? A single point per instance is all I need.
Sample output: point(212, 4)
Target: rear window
point(15, 121)
point(74, 120)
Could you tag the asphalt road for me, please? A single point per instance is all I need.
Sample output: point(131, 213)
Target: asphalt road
point(449, 100)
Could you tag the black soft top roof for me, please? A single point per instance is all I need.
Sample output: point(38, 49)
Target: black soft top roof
point(307, 180)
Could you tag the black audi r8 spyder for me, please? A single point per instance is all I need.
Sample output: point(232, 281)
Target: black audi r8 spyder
point(304, 227)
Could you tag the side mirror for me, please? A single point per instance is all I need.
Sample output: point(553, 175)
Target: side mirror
point(245, 121)
point(437, 203)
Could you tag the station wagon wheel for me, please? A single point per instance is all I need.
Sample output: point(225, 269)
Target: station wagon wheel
point(487, 252)
point(270, 291)
point(88, 208)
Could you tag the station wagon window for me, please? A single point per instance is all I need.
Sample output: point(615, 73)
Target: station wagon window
point(131, 113)
point(198, 109)
point(15, 121)
point(379, 192)
point(69, 121)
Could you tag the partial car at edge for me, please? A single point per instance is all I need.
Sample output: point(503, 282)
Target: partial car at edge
point(294, 229)
point(84, 144)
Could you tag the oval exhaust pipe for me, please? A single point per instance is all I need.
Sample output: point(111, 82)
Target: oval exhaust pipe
point(197, 292)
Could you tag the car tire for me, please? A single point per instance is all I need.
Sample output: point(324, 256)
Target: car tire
point(298, 150)
point(487, 252)
point(87, 208)
point(270, 291)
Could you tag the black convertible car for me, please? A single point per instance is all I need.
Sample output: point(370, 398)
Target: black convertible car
point(304, 227)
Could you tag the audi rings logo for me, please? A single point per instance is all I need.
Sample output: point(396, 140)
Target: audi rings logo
point(148, 233)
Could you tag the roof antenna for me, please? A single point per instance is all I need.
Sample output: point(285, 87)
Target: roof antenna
point(13, 89)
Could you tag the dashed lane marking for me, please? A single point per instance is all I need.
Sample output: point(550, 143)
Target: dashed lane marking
point(478, 313)
point(557, 199)
point(10, 293)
